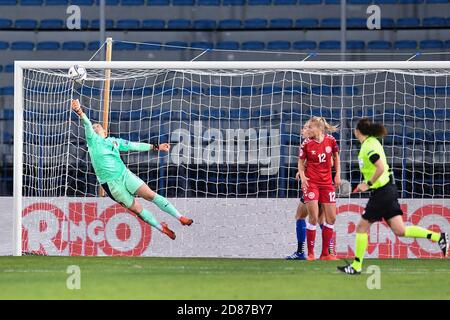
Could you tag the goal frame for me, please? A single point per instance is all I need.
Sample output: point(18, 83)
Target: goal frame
point(19, 67)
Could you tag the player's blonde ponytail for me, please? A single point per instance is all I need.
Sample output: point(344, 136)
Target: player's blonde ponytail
point(324, 125)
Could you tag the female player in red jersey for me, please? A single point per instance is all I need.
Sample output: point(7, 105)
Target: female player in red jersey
point(319, 151)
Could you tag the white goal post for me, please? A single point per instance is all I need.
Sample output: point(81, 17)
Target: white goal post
point(413, 69)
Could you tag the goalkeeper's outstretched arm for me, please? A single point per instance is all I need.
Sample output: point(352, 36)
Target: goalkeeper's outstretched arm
point(139, 146)
point(87, 123)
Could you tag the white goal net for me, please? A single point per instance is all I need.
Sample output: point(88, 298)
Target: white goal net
point(235, 136)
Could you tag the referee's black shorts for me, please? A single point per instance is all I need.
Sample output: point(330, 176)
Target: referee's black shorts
point(383, 204)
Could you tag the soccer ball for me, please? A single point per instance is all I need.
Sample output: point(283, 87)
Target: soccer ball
point(77, 73)
point(345, 189)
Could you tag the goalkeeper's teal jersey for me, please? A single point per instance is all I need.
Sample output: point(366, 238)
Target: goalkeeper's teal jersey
point(105, 153)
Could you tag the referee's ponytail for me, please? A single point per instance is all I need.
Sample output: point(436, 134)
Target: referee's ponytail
point(369, 128)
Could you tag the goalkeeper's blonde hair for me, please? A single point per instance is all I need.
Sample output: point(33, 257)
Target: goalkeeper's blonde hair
point(323, 124)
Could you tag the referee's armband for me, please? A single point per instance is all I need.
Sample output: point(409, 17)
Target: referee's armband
point(374, 158)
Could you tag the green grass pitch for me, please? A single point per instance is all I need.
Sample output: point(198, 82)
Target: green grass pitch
point(39, 277)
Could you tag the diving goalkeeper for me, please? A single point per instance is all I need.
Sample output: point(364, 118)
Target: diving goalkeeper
point(117, 180)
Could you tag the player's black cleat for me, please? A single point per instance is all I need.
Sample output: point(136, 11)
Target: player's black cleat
point(443, 244)
point(348, 269)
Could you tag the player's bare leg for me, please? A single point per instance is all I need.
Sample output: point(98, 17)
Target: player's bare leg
point(313, 217)
point(148, 194)
point(329, 214)
point(146, 216)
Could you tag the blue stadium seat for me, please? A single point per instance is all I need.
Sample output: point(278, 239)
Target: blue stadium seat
point(176, 45)
point(309, 23)
point(359, 1)
point(8, 138)
point(230, 24)
point(304, 45)
point(227, 45)
point(25, 24)
point(329, 45)
point(158, 2)
point(331, 23)
point(8, 114)
point(218, 91)
point(253, 45)
point(109, 2)
point(387, 23)
point(441, 113)
point(379, 45)
point(410, 1)
point(153, 24)
point(405, 44)
point(332, 1)
point(442, 136)
point(31, 2)
point(128, 24)
point(183, 2)
point(309, 2)
point(356, 23)
point(109, 24)
point(5, 23)
point(56, 2)
point(8, 2)
point(447, 44)
point(284, 2)
point(385, 1)
point(7, 91)
point(278, 45)
point(355, 45)
point(74, 45)
point(281, 23)
point(179, 24)
point(202, 45)
point(9, 68)
point(434, 22)
point(150, 46)
point(255, 24)
point(271, 90)
point(132, 2)
point(84, 24)
point(93, 45)
point(204, 24)
point(208, 2)
point(22, 45)
point(431, 44)
point(48, 45)
point(259, 2)
point(4, 45)
point(124, 46)
point(52, 24)
point(408, 23)
point(82, 2)
point(233, 2)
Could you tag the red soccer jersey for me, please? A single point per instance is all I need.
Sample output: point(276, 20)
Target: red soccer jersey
point(318, 159)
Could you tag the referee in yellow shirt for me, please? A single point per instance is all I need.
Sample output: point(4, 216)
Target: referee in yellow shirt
point(383, 202)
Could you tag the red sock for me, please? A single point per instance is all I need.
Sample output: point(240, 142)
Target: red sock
point(310, 240)
point(327, 235)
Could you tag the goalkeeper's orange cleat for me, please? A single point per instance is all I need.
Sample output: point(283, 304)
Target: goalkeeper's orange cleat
point(167, 231)
point(186, 221)
point(311, 257)
point(329, 257)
